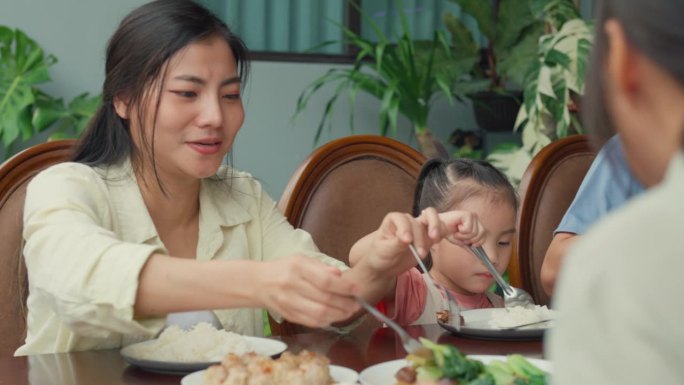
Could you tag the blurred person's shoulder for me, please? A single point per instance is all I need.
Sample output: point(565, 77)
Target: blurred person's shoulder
point(635, 237)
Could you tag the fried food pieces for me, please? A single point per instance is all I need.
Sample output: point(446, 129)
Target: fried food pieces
point(305, 368)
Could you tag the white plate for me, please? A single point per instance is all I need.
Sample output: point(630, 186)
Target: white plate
point(263, 346)
point(340, 375)
point(383, 374)
point(476, 324)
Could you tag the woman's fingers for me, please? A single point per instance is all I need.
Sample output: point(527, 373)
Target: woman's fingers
point(313, 313)
point(310, 313)
point(307, 291)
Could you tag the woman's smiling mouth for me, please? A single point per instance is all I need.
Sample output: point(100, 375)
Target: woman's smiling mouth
point(206, 147)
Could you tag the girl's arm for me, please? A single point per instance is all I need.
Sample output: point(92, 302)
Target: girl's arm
point(379, 257)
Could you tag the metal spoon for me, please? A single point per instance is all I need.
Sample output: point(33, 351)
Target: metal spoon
point(451, 305)
point(409, 343)
point(527, 324)
point(513, 296)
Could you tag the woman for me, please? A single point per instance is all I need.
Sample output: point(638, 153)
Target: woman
point(619, 292)
point(146, 221)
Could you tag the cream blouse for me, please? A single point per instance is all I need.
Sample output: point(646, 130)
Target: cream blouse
point(88, 234)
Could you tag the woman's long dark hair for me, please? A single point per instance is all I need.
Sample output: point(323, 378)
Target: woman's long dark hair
point(651, 26)
point(443, 184)
point(136, 56)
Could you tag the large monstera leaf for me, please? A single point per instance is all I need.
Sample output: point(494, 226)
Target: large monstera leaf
point(23, 65)
point(25, 110)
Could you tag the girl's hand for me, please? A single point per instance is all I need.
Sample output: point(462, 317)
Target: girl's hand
point(306, 291)
point(459, 227)
point(389, 253)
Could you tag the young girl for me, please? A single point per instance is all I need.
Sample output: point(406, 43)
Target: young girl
point(472, 186)
point(146, 220)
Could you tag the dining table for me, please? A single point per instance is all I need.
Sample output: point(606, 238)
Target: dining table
point(358, 350)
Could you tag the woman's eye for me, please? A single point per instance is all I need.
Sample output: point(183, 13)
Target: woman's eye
point(232, 96)
point(504, 243)
point(185, 94)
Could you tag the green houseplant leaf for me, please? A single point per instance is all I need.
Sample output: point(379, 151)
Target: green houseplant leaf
point(482, 12)
point(511, 30)
point(404, 74)
point(23, 64)
point(25, 110)
point(506, 41)
point(555, 78)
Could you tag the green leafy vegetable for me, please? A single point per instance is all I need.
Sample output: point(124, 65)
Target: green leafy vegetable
point(447, 362)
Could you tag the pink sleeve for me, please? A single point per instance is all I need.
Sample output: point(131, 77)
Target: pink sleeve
point(409, 297)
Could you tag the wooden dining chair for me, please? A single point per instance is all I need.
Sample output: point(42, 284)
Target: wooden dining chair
point(15, 174)
point(546, 190)
point(343, 190)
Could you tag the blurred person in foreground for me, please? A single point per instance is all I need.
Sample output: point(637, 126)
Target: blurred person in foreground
point(619, 291)
point(608, 185)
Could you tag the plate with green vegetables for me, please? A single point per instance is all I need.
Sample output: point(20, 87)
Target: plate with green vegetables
point(441, 361)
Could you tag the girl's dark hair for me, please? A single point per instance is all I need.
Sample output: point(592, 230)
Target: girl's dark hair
point(136, 56)
point(442, 184)
point(652, 27)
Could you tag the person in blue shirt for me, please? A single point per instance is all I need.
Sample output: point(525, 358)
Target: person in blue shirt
point(609, 183)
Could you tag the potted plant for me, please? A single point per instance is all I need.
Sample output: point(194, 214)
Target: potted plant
point(25, 110)
point(404, 74)
point(503, 50)
point(551, 96)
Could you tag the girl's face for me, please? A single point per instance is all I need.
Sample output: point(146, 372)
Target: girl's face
point(200, 112)
point(457, 267)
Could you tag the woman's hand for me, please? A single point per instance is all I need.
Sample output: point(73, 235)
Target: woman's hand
point(306, 291)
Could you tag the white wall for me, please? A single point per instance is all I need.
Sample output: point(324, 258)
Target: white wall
point(270, 145)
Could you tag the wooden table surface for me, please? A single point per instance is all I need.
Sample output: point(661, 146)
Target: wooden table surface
point(357, 351)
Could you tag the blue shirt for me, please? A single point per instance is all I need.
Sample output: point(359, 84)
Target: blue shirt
point(609, 183)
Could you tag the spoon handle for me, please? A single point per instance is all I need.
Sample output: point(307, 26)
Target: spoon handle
point(527, 324)
point(480, 253)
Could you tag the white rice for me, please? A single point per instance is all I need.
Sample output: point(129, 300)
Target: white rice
point(202, 343)
point(518, 315)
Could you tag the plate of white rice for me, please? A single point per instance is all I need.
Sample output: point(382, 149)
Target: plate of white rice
point(493, 323)
point(181, 351)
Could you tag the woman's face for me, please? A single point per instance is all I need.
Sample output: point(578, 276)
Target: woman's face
point(200, 112)
point(457, 267)
point(645, 106)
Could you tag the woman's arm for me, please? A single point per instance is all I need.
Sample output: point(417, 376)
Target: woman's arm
point(91, 277)
point(300, 288)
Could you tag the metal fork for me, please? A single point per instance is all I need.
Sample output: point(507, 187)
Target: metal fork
point(451, 305)
point(409, 343)
point(513, 296)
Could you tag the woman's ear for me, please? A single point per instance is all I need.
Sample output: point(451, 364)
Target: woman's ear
point(121, 107)
point(623, 66)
